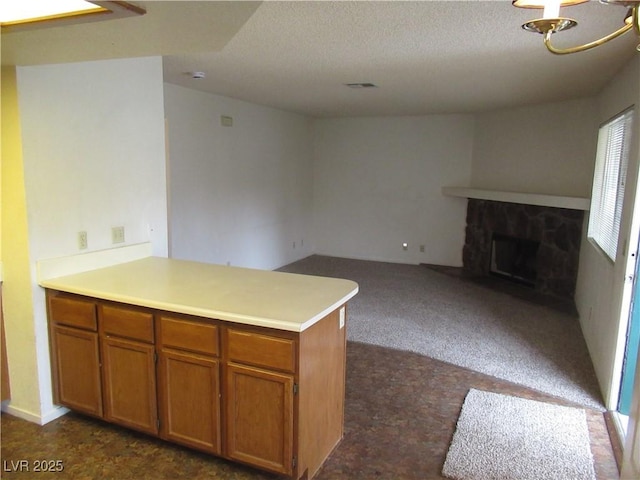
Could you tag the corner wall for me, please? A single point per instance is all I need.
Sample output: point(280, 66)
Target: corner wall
point(17, 300)
point(93, 158)
point(378, 183)
point(240, 195)
point(547, 149)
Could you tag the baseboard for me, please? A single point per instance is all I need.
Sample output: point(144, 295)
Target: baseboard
point(366, 258)
point(617, 434)
point(54, 413)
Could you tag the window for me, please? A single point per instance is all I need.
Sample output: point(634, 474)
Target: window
point(609, 181)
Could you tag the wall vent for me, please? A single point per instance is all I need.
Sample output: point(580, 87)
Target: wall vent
point(361, 85)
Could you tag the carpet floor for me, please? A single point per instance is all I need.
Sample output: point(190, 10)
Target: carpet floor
point(417, 309)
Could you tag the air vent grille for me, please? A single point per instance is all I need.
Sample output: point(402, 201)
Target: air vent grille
point(361, 85)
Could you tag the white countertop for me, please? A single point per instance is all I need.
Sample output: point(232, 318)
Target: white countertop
point(278, 300)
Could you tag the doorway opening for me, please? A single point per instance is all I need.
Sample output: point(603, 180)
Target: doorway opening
point(631, 344)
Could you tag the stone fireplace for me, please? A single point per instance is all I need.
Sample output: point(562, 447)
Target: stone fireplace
point(531, 244)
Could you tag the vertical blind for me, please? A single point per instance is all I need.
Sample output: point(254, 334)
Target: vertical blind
point(609, 181)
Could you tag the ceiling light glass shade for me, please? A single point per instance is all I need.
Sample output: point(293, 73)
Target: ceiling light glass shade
point(21, 15)
point(544, 3)
point(32, 9)
point(549, 25)
point(551, 22)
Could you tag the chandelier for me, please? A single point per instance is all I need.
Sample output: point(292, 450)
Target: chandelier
point(551, 21)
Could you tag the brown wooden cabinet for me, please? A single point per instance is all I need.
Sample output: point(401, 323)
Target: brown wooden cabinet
point(259, 414)
point(269, 398)
point(189, 383)
point(75, 354)
point(128, 367)
point(260, 387)
point(4, 369)
point(129, 380)
point(77, 369)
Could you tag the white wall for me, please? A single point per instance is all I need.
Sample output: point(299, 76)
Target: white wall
point(94, 157)
point(600, 284)
point(239, 195)
point(602, 293)
point(93, 144)
point(544, 149)
point(378, 181)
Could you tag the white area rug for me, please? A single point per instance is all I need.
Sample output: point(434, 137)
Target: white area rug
point(508, 438)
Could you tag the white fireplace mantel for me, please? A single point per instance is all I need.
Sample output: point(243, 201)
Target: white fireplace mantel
point(574, 203)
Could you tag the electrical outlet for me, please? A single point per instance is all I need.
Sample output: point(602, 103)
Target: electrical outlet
point(117, 235)
point(421, 248)
point(82, 240)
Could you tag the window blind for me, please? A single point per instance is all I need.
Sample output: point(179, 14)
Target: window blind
point(609, 181)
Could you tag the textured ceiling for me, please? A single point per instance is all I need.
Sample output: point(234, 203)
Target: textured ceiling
point(424, 56)
point(168, 27)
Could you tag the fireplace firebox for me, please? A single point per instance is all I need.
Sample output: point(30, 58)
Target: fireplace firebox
point(515, 259)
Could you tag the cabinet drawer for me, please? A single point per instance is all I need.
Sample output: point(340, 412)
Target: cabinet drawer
point(126, 322)
point(261, 350)
point(189, 335)
point(73, 312)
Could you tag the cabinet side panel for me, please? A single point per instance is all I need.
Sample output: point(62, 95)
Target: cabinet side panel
point(322, 390)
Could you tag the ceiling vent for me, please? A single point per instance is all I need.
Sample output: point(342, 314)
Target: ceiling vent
point(361, 85)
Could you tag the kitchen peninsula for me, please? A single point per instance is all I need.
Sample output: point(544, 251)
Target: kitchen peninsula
point(244, 364)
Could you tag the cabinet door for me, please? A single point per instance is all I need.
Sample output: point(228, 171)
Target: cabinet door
point(190, 400)
point(259, 416)
point(77, 370)
point(130, 384)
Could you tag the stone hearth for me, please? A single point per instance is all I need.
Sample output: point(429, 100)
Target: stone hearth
point(559, 231)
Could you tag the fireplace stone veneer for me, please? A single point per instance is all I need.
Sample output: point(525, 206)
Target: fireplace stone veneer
point(559, 231)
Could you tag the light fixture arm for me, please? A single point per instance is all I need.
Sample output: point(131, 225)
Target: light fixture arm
point(587, 46)
point(552, 22)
